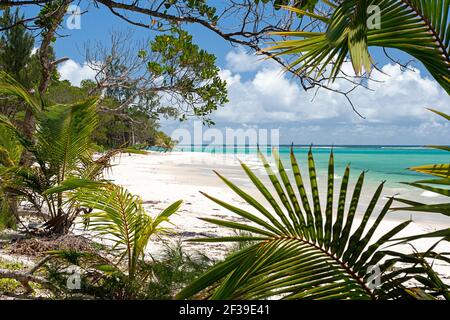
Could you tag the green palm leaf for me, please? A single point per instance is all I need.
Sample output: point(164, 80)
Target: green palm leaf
point(295, 255)
point(10, 87)
point(65, 134)
point(432, 285)
point(442, 172)
point(120, 217)
point(417, 27)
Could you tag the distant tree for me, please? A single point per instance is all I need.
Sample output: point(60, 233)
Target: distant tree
point(167, 76)
point(132, 125)
point(16, 46)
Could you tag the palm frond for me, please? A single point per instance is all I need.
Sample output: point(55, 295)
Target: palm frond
point(64, 135)
point(439, 185)
point(417, 27)
point(10, 87)
point(300, 252)
point(14, 133)
point(120, 217)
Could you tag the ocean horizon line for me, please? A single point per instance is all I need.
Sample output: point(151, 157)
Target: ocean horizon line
point(312, 145)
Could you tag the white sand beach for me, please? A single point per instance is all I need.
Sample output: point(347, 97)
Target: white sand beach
point(162, 178)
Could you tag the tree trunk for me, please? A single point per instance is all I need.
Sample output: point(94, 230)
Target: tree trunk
point(28, 128)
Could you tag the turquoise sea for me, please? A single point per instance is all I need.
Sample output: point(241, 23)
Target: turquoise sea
point(382, 162)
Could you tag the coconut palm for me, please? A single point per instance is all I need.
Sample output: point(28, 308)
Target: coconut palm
point(303, 251)
point(418, 27)
point(61, 149)
point(118, 217)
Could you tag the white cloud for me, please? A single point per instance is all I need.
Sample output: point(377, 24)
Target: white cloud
point(270, 96)
point(240, 61)
point(394, 106)
point(74, 72)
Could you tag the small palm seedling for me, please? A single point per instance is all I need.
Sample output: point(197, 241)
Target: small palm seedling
point(117, 217)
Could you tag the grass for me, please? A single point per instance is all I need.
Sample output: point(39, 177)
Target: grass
point(174, 271)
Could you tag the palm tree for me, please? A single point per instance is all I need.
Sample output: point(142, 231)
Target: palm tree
point(303, 251)
point(417, 27)
point(420, 28)
point(164, 142)
point(119, 217)
point(61, 149)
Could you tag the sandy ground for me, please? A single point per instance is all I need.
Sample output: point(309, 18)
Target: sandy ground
point(161, 179)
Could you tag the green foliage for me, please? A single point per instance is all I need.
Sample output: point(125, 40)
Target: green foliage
point(188, 71)
point(200, 6)
point(164, 142)
point(302, 4)
point(301, 252)
point(7, 220)
point(46, 19)
point(62, 92)
point(157, 279)
point(439, 183)
point(16, 45)
point(16, 58)
point(419, 28)
point(10, 285)
point(10, 151)
point(429, 282)
point(416, 279)
point(61, 149)
point(133, 125)
point(174, 271)
point(119, 217)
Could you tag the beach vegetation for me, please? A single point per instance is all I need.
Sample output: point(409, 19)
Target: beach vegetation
point(9, 285)
point(175, 270)
point(304, 244)
point(306, 248)
point(438, 183)
point(10, 151)
point(60, 149)
point(119, 219)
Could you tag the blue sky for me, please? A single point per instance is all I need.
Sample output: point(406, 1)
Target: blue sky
point(263, 97)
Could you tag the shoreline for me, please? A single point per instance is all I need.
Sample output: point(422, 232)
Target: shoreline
point(162, 178)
